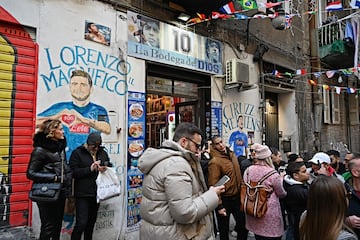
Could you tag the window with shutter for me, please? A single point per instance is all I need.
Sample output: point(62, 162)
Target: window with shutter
point(335, 107)
point(327, 106)
point(353, 109)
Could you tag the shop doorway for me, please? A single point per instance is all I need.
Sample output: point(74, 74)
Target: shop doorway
point(272, 120)
point(164, 113)
point(174, 96)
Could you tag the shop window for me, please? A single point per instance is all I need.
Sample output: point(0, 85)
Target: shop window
point(331, 107)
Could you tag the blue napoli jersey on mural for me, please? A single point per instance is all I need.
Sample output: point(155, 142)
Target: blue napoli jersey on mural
point(76, 135)
point(239, 142)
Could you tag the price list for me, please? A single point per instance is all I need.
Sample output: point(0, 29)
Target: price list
point(216, 118)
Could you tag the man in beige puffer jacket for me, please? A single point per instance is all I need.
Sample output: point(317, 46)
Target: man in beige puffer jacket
point(176, 203)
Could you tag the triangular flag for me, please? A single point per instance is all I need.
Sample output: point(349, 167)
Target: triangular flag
point(350, 90)
point(317, 74)
point(201, 16)
point(347, 72)
point(270, 4)
point(338, 90)
point(326, 87)
point(330, 73)
point(334, 6)
point(240, 16)
point(276, 74)
point(288, 74)
point(301, 72)
point(217, 15)
point(312, 82)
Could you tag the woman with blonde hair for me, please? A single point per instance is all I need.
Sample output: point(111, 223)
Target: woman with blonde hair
point(326, 209)
point(48, 165)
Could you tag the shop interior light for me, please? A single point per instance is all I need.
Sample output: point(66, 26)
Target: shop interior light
point(183, 17)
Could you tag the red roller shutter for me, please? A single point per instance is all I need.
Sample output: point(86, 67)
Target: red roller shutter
point(18, 78)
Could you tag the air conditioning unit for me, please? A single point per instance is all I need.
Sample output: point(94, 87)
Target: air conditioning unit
point(236, 72)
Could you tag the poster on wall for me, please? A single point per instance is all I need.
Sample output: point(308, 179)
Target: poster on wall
point(216, 118)
point(241, 124)
point(97, 33)
point(164, 43)
point(136, 146)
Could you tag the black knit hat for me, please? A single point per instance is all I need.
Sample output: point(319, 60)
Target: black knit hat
point(94, 139)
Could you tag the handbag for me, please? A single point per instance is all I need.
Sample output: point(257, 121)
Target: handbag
point(108, 185)
point(47, 192)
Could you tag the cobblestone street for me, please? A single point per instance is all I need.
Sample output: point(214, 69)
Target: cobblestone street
point(231, 237)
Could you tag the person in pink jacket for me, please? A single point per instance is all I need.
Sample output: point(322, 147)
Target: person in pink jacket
point(271, 225)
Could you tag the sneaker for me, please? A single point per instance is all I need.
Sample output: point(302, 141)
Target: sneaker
point(234, 233)
point(251, 234)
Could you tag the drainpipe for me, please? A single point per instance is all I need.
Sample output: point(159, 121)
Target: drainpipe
point(347, 119)
point(317, 106)
point(263, 101)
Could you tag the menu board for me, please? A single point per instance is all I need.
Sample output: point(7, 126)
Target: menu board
point(136, 145)
point(216, 118)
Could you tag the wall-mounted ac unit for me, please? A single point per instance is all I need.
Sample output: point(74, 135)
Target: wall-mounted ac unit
point(236, 72)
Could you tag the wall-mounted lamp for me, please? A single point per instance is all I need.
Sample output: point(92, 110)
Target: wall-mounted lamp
point(279, 22)
point(260, 51)
point(183, 17)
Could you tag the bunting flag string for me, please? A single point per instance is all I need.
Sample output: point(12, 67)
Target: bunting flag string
point(338, 89)
point(328, 73)
point(228, 11)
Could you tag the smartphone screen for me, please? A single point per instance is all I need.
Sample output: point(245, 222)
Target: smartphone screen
point(222, 180)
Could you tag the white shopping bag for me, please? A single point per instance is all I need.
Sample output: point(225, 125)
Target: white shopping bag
point(108, 185)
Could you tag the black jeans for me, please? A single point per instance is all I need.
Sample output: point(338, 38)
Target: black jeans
point(232, 206)
point(51, 216)
point(86, 213)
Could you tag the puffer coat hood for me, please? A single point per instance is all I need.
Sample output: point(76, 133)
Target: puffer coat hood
point(175, 203)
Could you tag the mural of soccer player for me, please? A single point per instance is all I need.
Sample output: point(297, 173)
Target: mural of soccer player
point(213, 51)
point(238, 140)
point(148, 31)
point(80, 116)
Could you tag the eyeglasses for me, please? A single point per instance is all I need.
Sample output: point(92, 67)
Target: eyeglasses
point(198, 146)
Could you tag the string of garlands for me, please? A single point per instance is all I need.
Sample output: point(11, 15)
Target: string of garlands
point(338, 89)
point(231, 13)
point(329, 74)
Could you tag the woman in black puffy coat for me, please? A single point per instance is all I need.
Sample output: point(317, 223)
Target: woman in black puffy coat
point(45, 166)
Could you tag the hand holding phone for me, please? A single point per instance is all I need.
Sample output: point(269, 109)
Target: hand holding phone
point(222, 181)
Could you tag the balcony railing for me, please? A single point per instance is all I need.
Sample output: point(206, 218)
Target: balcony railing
point(333, 50)
point(329, 34)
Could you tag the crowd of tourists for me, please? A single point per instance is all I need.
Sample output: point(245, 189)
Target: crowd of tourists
point(315, 198)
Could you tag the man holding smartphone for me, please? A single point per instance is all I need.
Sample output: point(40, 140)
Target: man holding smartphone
point(86, 162)
point(176, 202)
point(224, 162)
